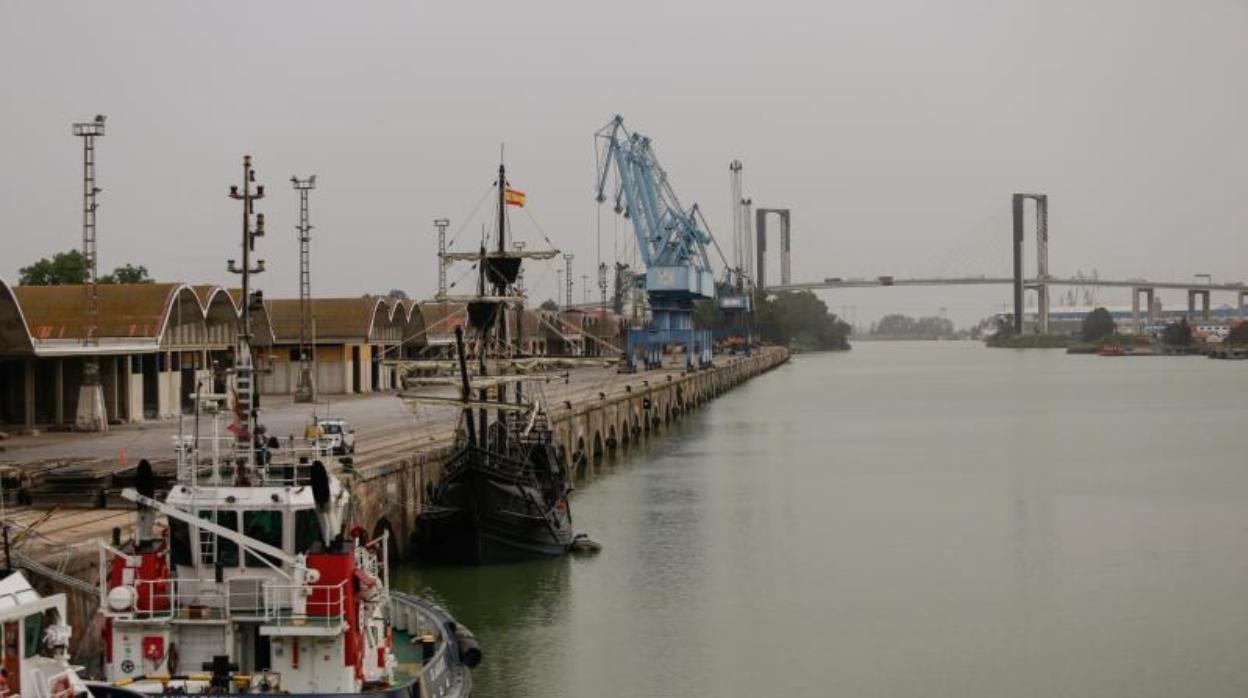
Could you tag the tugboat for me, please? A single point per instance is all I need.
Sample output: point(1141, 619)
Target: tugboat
point(504, 494)
point(35, 660)
point(257, 583)
point(1111, 349)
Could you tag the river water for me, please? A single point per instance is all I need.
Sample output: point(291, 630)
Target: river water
point(905, 519)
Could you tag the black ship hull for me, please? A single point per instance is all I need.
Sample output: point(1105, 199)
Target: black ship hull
point(482, 517)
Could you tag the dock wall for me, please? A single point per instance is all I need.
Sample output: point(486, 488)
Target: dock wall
point(389, 495)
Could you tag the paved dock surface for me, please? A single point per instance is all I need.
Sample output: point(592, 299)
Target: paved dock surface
point(385, 427)
point(382, 421)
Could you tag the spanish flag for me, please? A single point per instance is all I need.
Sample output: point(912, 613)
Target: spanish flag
point(514, 198)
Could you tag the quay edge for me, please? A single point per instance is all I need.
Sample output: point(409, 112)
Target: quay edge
point(639, 406)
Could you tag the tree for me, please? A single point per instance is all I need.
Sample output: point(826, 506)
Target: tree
point(549, 305)
point(65, 268)
point(706, 316)
point(801, 318)
point(127, 274)
point(70, 268)
point(1177, 334)
point(1097, 325)
point(1238, 333)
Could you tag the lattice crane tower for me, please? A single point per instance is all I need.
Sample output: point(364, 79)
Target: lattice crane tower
point(305, 391)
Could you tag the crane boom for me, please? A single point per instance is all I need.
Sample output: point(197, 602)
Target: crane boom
point(672, 242)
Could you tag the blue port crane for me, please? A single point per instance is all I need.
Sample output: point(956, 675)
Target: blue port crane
point(672, 242)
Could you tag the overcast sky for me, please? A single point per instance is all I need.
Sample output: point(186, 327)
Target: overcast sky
point(895, 131)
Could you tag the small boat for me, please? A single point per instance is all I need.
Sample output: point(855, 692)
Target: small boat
point(1111, 350)
point(36, 647)
point(503, 496)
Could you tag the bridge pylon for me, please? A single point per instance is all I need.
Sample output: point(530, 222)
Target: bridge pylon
point(1042, 261)
point(786, 245)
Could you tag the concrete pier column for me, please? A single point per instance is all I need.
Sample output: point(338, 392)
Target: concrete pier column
point(29, 390)
point(1192, 293)
point(58, 381)
point(111, 387)
point(1149, 314)
point(1042, 263)
point(1017, 210)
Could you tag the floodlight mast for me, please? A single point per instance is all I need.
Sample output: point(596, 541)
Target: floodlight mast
point(91, 414)
point(306, 390)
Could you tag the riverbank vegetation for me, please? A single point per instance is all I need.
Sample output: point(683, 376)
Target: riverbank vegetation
point(796, 318)
point(896, 326)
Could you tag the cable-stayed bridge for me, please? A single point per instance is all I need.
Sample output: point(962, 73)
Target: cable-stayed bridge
point(1038, 282)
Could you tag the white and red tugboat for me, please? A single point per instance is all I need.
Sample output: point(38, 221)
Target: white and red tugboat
point(34, 654)
point(257, 583)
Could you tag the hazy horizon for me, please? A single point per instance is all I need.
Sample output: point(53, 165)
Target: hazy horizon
point(895, 133)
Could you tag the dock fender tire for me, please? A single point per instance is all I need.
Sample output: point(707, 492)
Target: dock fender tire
point(171, 660)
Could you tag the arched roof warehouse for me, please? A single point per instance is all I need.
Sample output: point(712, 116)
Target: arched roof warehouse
point(127, 311)
point(15, 337)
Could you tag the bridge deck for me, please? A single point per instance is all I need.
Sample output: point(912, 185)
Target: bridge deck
point(1006, 281)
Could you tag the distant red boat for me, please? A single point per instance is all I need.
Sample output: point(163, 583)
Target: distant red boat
point(1112, 350)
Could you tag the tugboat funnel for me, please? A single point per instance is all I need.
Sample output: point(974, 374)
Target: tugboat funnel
point(145, 483)
point(321, 495)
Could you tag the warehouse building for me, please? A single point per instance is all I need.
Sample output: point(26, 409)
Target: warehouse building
point(353, 340)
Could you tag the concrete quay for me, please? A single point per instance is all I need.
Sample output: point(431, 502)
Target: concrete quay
point(595, 413)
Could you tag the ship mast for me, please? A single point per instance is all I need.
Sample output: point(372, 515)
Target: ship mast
point(244, 373)
point(500, 284)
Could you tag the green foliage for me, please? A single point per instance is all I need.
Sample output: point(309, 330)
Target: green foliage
point(1238, 334)
point(548, 304)
point(1177, 334)
point(800, 318)
point(706, 316)
point(1097, 325)
point(64, 268)
point(922, 328)
point(69, 268)
point(127, 274)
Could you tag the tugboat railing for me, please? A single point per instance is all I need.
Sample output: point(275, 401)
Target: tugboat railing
point(325, 604)
point(239, 599)
point(198, 459)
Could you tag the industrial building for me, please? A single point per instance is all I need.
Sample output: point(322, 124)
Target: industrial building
point(352, 339)
point(158, 342)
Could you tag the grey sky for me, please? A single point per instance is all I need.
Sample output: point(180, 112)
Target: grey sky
point(896, 131)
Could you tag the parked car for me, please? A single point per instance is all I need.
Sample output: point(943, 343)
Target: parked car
point(337, 436)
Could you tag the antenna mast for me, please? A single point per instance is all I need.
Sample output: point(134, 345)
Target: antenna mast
point(306, 390)
point(244, 373)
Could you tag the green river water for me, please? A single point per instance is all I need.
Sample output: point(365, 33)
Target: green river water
point(905, 519)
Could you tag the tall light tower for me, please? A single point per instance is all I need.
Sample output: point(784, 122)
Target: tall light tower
point(305, 391)
point(738, 245)
point(244, 372)
point(585, 287)
point(558, 284)
point(441, 224)
point(602, 283)
point(567, 275)
point(91, 414)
